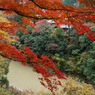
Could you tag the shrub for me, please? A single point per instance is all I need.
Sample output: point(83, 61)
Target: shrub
point(4, 91)
point(3, 71)
point(75, 87)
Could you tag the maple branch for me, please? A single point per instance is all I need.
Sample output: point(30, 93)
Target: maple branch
point(37, 18)
point(23, 14)
point(46, 8)
point(21, 61)
point(3, 9)
point(7, 57)
point(56, 8)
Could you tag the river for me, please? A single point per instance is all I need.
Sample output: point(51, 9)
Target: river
point(24, 78)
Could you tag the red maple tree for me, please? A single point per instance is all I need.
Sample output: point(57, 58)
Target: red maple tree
point(39, 10)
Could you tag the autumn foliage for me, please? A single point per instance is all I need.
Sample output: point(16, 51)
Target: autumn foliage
point(39, 10)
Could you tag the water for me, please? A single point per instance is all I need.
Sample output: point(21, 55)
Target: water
point(24, 78)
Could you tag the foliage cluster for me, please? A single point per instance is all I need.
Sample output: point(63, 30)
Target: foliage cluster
point(74, 87)
point(44, 42)
point(3, 71)
point(4, 91)
point(69, 2)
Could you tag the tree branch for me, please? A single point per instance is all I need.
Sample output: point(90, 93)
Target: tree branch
point(56, 8)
